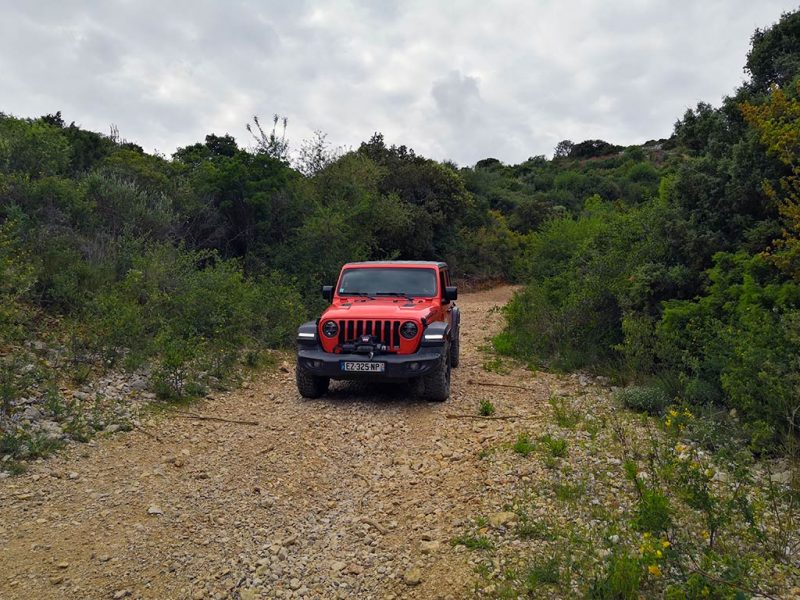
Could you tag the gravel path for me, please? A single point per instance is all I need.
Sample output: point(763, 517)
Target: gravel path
point(355, 495)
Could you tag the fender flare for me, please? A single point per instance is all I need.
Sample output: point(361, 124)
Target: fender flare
point(436, 334)
point(456, 330)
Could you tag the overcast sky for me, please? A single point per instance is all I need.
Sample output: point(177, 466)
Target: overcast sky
point(459, 80)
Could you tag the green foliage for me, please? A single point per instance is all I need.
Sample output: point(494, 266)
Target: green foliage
point(486, 408)
point(652, 512)
point(472, 542)
point(193, 311)
point(773, 58)
point(523, 445)
point(620, 581)
point(563, 413)
point(650, 399)
point(18, 277)
point(543, 572)
point(495, 365)
point(569, 492)
point(556, 447)
point(34, 147)
point(570, 314)
point(675, 261)
point(739, 342)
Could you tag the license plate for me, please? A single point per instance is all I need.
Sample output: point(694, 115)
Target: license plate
point(363, 367)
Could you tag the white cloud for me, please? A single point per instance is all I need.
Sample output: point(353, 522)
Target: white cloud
point(461, 80)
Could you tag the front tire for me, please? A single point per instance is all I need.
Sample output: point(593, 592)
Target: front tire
point(310, 386)
point(437, 382)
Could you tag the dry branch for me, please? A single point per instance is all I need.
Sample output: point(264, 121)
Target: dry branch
point(187, 415)
point(372, 523)
point(491, 418)
point(147, 433)
point(504, 385)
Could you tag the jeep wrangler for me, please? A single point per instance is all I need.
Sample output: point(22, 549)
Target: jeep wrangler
point(387, 321)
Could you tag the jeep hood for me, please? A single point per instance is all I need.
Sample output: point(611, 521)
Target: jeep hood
point(381, 308)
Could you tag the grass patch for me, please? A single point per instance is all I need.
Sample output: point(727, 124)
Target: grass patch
point(556, 447)
point(621, 579)
point(565, 416)
point(472, 542)
point(543, 572)
point(486, 408)
point(529, 529)
point(496, 365)
point(569, 492)
point(523, 445)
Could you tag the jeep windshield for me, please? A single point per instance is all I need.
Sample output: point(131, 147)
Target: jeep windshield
point(390, 281)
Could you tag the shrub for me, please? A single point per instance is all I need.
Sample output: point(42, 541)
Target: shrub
point(738, 344)
point(557, 447)
point(523, 445)
point(190, 312)
point(649, 399)
point(652, 512)
point(17, 279)
point(486, 408)
point(543, 572)
point(621, 580)
point(565, 416)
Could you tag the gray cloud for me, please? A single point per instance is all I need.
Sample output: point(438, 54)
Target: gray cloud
point(462, 80)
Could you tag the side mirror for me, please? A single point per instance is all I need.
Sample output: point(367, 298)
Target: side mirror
point(450, 294)
point(327, 292)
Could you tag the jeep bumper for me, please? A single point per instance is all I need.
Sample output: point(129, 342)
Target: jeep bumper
point(397, 366)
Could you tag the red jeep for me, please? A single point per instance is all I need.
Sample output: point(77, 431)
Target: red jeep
point(387, 321)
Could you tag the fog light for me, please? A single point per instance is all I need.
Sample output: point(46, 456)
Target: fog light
point(413, 366)
point(316, 364)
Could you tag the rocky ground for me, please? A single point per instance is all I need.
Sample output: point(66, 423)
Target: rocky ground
point(356, 495)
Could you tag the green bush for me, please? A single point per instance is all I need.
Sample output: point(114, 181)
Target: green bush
point(18, 277)
point(523, 445)
point(620, 581)
point(486, 408)
point(739, 343)
point(652, 512)
point(191, 312)
point(556, 447)
point(650, 399)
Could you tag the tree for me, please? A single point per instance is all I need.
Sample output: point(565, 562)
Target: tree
point(54, 120)
point(273, 144)
point(563, 149)
point(774, 57)
point(316, 154)
point(221, 145)
point(593, 149)
point(777, 122)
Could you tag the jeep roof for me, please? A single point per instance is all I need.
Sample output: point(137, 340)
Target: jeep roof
point(413, 263)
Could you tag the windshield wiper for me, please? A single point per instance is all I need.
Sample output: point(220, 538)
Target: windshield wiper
point(364, 294)
point(400, 294)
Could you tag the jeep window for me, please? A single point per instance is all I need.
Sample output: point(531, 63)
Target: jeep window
point(390, 281)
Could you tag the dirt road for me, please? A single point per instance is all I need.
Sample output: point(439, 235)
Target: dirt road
point(356, 495)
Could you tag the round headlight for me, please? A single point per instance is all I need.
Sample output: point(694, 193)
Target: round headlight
point(409, 330)
point(330, 329)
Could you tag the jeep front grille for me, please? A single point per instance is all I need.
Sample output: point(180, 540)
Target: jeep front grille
point(386, 332)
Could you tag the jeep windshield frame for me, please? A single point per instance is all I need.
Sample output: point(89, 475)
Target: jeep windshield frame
point(405, 282)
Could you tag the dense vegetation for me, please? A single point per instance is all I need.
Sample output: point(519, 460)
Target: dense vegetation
point(681, 272)
point(183, 264)
point(672, 262)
